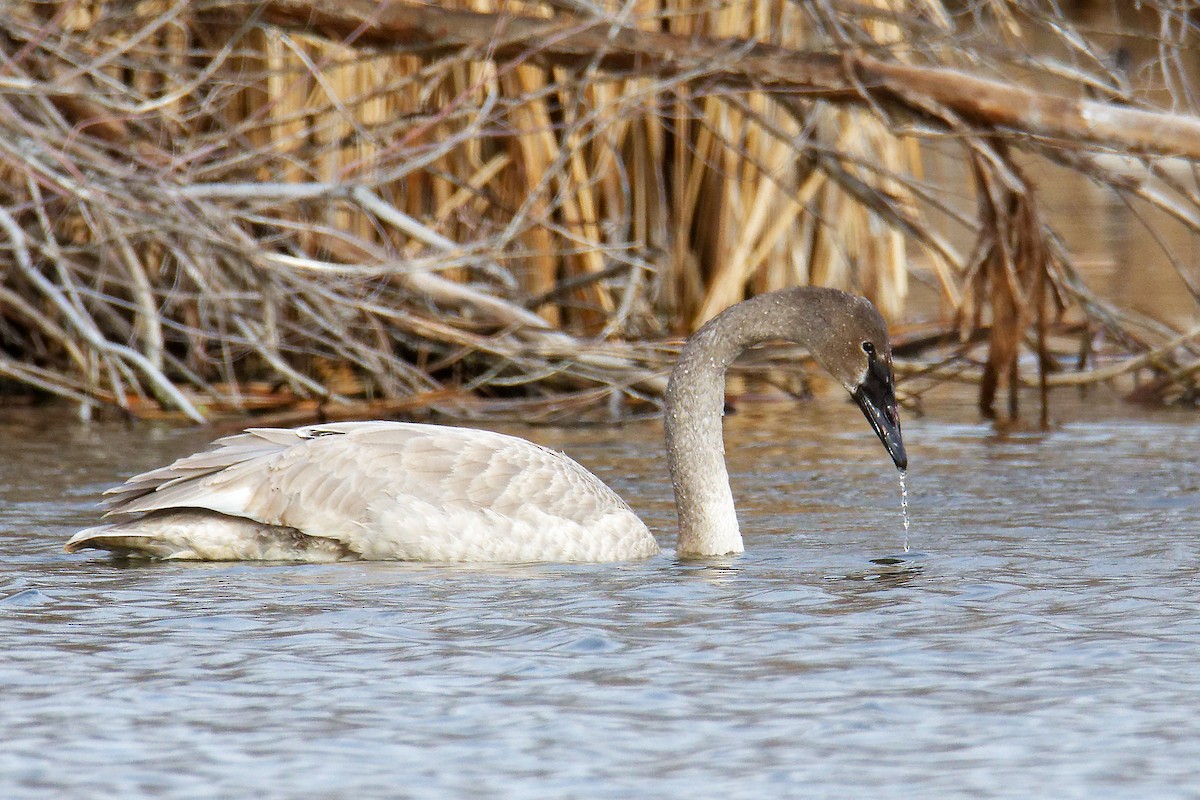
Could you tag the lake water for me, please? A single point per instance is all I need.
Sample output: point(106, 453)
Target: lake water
point(1042, 639)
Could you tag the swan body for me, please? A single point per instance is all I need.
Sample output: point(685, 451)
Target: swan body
point(374, 490)
point(405, 491)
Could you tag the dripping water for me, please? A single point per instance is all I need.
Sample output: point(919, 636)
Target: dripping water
point(904, 506)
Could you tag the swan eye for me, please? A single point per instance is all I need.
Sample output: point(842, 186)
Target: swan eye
point(868, 348)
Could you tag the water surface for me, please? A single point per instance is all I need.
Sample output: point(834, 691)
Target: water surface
point(1040, 640)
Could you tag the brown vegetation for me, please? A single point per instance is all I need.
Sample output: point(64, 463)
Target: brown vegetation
point(382, 208)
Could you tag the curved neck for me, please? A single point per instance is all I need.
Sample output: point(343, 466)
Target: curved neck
point(695, 403)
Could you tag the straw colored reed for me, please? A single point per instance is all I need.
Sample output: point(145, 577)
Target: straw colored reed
point(564, 176)
point(221, 202)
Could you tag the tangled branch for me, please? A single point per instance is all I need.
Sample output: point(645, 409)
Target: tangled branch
point(310, 205)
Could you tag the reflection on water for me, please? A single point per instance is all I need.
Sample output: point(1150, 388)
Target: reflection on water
point(1040, 640)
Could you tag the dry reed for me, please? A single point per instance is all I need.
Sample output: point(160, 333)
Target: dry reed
point(206, 208)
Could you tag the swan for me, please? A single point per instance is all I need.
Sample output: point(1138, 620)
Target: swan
point(405, 491)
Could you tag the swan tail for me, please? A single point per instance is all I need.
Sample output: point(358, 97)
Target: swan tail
point(200, 535)
point(122, 542)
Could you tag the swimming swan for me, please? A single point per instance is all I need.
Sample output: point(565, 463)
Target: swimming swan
point(401, 491)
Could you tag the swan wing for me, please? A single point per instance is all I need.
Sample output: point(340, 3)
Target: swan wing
point(399, 490)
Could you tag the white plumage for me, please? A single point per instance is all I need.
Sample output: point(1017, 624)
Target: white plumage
point(372, 490)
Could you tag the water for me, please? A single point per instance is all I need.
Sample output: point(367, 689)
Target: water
point(1040, 641)
point(904, 506)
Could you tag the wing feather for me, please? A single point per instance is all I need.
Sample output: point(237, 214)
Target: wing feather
point(387, 487)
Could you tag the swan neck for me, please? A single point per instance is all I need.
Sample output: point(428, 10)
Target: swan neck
point(696, 453)
point(695, 404)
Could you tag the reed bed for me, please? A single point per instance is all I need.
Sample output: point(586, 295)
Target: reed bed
point(215, 208)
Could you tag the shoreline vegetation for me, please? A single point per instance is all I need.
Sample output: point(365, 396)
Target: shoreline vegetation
point(317, 210)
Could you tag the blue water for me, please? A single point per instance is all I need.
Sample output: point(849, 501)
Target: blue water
point(1042, 639)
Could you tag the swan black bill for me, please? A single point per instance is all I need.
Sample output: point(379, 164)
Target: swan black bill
point(876, 396)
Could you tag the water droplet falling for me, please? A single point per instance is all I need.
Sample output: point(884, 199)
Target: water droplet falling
point(904, 506)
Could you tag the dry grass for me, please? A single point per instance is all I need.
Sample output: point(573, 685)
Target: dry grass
point(206, 217)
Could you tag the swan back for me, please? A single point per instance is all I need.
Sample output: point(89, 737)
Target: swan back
point(389, 490)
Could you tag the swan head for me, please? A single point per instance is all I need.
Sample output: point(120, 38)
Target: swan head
point(857, 352)
point(876, 396)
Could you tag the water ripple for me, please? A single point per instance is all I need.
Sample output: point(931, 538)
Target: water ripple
point(1039, 641)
